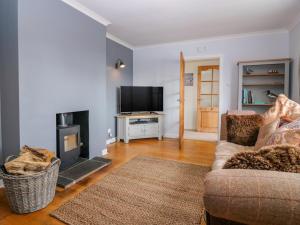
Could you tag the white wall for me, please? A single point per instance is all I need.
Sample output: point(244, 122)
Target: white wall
point(295, 55)
point(159, 65)
point(190, 92)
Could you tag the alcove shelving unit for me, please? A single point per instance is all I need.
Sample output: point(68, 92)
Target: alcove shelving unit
point(259, 80)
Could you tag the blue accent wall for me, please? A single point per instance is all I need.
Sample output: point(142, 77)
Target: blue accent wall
point(116, 78)
point(9, 80)
point(62, 61)
point(61, 67)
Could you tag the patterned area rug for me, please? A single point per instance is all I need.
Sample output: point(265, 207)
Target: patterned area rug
point(145, 191)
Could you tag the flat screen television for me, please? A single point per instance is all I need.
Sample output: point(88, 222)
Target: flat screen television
point(141, 99)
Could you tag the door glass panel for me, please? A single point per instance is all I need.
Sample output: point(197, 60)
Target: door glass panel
point(215, 88)
point(205, 101)
point(206, 87)
point(215, 100)
point(216, 75)
point(206, 75)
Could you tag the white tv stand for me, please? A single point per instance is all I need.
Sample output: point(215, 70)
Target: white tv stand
point(137, 126)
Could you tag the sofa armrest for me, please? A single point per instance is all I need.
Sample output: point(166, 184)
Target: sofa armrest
point(253, 196)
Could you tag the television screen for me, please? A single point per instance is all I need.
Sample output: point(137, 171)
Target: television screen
point(141, 99)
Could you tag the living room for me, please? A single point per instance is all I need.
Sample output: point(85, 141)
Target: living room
point(99, 87)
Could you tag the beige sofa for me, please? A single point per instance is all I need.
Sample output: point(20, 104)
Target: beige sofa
point(236, 196)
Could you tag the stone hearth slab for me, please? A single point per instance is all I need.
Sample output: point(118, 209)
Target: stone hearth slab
point(81, 170)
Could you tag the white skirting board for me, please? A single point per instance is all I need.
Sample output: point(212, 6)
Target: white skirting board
point(111, 140)
point(104, 152)
point(171, 135)
point(1, 184)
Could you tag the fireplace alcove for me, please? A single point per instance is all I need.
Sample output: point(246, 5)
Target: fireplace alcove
point(72, 141)
point(72, 137)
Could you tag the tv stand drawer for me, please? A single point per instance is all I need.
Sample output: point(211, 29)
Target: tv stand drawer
point(143, 130)
point(151, 130)
point(136, 131)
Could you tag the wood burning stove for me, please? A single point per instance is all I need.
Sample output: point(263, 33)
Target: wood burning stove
point(68, 145)
point(72, 130)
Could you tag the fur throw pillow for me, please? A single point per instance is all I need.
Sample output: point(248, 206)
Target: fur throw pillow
point(243, 129)
point(284, 158)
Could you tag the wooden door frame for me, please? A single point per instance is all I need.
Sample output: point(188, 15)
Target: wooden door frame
point(181, 100)
point(200, 70)
point(221, 81)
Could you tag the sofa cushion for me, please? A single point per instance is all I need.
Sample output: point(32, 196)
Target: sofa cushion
point(243, 129)
point(287, 136)
point(295, 124)
point(265, 132)
point(284, 107)
point(253, 196)
point(225, 150)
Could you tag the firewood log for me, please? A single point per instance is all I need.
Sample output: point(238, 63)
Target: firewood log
point(30, 161)
point(44, 154)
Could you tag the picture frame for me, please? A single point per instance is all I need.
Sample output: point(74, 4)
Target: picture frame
point(188, 79)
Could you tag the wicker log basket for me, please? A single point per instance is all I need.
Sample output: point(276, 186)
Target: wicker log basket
point(29, 193)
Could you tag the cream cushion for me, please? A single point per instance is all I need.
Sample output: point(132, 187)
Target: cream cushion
point(283, 107)
point(265, 132)
point(225, 150)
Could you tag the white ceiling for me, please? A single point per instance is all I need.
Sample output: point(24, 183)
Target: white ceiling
point(148, 22)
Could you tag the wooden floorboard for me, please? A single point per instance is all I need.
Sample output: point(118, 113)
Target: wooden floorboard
point(196, 152)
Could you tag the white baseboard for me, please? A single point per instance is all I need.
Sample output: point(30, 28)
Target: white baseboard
point(104, 151)
point(171, 135)
point(1, 184)
point(111, 140)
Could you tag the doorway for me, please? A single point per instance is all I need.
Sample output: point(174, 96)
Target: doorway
point(201, 99)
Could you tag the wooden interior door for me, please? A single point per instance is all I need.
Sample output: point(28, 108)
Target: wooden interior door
point(181, 101)
point(208, 99)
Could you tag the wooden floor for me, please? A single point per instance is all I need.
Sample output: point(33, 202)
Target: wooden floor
point(196, 152)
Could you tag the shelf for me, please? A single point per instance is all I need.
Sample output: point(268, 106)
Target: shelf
point(257, 77)
point(257, 104)
point(266, 61)
point(264, 75)
point(208, 94)
point(263, 84)
point(143, 122)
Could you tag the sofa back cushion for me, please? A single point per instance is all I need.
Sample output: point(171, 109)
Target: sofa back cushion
point(243, 129)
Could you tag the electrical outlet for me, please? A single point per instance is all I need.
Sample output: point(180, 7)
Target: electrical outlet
point(109, 132)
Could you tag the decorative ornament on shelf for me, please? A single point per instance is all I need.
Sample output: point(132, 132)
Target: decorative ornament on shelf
point(271, 94)
point(272, 71)
point(249, 70)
